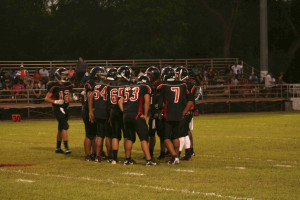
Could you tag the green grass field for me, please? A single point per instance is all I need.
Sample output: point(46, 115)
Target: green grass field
point(238, 156)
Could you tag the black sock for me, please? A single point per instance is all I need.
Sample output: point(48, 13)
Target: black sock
point(162, 153)
point(188, 153)
point(115, 154)
point(148, 160)
point(173, 157)
point(179, 153)
point(192, 150)
point(58, 144)
point(66, 144)
point(151, 152)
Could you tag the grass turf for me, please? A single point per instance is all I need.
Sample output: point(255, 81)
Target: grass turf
point(238, 156)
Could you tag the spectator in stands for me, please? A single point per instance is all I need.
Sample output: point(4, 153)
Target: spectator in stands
point(71, 71)
point(253, 78)
point(7, 80)
point(36, 93)
point(2, 73)
point(234, 81)
point(28, 79)
point(86, 76)
point(45, 74)
point(37, 77)
point(22, 72)
point(52, 73)
point(280, 78)
point(12, 73)
point(227, 70)
point(210, 77)
point(269, 83)
point(237, 69)
point(81, 69)
point(18, 89)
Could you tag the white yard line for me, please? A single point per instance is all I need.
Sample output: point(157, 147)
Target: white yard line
point(242, 137)
point(130, 184)
point(241, 168)
point(184, 170)
point(134, 174)
point(283, 166)
point(25, 180)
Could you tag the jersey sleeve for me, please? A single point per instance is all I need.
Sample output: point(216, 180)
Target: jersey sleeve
point(51, 87)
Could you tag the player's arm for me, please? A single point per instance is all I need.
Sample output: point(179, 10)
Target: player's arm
point(50, 100)
point(146, 105)
point(187, 107)
point(90, 98)
point(120, 103)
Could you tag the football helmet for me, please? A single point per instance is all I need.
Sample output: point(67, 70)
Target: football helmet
point(168, 74)
point(125, 72)
point(97, 73)
point(143, 79)
point(181, 73)
point(62, 72)
point(112, 74)
point(153, 73)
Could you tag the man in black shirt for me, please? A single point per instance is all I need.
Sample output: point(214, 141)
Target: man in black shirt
point(59, 94)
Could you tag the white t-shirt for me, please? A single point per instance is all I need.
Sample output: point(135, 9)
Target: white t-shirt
point(268, 81)
point(237, 68)
point(44, 73)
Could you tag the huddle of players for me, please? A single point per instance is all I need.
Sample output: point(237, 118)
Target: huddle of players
point(113, 104)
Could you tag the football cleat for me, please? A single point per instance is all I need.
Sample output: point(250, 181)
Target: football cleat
point(151, 163)
point(129, 162)
point(103, 156)
point(114, 162)
point(59, 150)
point(109, 160)
point(88, 158)
point(68, 151)
point(186, 158)
point(98, 159)
point(93, 157)
point(193, 154)
point(161, 157)
point(174, 161)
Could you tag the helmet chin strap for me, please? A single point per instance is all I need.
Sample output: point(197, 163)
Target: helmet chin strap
point(110, 79)
point(128, 79)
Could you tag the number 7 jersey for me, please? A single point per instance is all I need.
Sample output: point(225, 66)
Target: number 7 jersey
point(173, 99)
point(60, 92)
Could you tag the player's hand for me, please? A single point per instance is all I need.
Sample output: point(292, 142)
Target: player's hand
point(59, 102)
point(143, 117)
point(91, 116)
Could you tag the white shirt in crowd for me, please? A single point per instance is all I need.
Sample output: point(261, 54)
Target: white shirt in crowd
point(269, 81)
point(44, 72)
point(237, 68)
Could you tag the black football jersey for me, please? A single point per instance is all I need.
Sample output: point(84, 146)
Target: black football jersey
point(100, 100)
point(88, 87)
point(114, 93)
point(173, 99)
point(60, 92)
point(134, 99)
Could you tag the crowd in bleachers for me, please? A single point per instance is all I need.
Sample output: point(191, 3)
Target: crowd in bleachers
point(13, 83)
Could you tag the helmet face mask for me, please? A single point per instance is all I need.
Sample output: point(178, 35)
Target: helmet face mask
point(182, 73)
point(168, 74)
point(62, 75)
point(98, 73)
point(143, 79)
point(125, 72)
point(112, 74)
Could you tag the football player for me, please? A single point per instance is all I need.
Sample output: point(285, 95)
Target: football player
point(182, 75)
point(135, 104)
point(98, 100)
point(90, 128)
point(155, 124)
point(175, 102)
point(59, 94)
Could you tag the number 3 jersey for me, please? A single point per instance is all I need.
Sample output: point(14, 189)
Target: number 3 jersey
point(60, 92)
point(173, 99)
point(134, 100)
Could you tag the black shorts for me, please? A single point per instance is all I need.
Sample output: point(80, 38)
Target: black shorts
point(101, 127)
point(116, 123)
point(185, 125)
point(62, 116)
point(172, 130)
point(138, 126)
point(90, 128)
